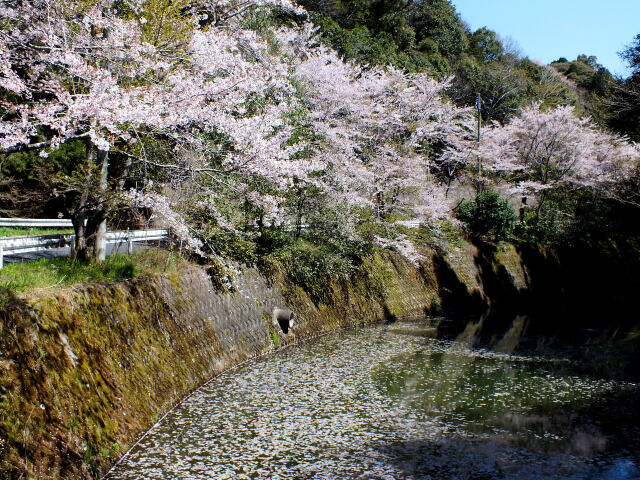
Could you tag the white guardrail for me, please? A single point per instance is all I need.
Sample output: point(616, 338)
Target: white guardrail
point(39, 243)
point(36, 222)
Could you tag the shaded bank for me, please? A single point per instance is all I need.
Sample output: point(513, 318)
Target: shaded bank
point(84, 372)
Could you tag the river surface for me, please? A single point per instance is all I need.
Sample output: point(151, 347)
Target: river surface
point(392, 402)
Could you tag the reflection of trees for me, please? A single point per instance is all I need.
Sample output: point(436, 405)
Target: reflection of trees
point(528, 399)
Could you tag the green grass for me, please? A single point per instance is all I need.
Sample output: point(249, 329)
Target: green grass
point(19, 278)
point(20, 231)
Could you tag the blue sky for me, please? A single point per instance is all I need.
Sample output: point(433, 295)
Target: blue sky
point(549, 29)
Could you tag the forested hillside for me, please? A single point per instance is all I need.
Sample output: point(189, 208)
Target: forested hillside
point(307, 133)
point(430, 36)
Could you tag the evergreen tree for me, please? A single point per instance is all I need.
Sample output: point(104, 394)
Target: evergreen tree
point(439, 21)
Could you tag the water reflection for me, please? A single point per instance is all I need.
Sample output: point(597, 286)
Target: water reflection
point(395, 402)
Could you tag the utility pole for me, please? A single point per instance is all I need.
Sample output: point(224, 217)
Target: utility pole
point(479, 108)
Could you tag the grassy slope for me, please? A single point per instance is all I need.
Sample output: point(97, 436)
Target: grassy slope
point(22, 231)
point(21, 278)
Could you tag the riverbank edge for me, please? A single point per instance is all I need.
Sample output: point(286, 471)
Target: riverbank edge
point(84, 373)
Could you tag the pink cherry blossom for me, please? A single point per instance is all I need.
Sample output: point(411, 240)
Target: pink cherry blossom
point(542, 149)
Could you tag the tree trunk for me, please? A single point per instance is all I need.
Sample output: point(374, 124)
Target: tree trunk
point(298, 230)
point(79, 212)
point(543, 197)
point(299, 212)
point(90, 213)
point(80, 243)
point(381, 206)
point(100, 245)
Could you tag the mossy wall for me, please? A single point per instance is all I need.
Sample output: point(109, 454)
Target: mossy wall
point(84, 372)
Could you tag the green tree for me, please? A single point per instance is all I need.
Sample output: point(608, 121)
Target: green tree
point(438, 20)
point(378, 16)
point(489, 214)
point(30, 184)
point(502, 86)
point(366, 45)
point(485, 45)
point(632, 55)
point(625, 102)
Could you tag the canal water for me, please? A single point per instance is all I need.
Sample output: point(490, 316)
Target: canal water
point(393, 402)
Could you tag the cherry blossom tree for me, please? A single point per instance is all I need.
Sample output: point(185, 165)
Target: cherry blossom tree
point(373, 122)
point(542, 149)
point(121, 76)
point(85, 71)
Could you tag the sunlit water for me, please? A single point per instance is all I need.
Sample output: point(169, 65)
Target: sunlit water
point(389, 402)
